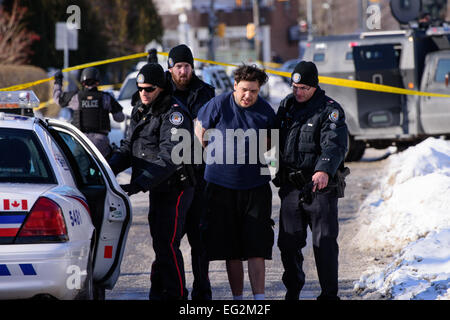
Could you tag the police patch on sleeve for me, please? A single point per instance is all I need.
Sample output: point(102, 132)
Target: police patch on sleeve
point(176, 118)
point(334, 115)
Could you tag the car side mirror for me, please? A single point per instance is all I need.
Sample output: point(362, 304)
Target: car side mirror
point(447, 76)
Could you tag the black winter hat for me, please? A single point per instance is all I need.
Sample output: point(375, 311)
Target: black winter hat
point(152, 73)
point(305, 72)
point(180, 53)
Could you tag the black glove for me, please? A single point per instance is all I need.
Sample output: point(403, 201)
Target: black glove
point(152, 57)
point(59, 77)
point(130, 189)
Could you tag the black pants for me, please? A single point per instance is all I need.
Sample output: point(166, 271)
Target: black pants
point(322, 217)
point(200, 265)
point(166, 218)
point(239, 224)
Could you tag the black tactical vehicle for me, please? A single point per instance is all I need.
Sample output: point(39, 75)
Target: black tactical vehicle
point(416, 58)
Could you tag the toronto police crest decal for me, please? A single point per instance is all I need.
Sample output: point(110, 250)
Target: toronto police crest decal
point(140, 78)
point(334, 115)
point(176, 118)
point(296, 77)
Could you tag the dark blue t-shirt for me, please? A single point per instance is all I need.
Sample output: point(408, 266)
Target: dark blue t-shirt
point(234, 159)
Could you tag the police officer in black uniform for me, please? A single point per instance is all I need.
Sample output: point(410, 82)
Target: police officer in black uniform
point(90, 107)
point(193, 93)
point(313, 143)
point(147, 149)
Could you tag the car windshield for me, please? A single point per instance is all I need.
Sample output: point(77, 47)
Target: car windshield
point(128, 89)
point(22, 158)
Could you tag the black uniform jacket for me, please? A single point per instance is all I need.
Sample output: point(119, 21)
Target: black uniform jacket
point(313, 135)
point(147, 146)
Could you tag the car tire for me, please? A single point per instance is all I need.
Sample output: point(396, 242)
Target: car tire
point(356, 149)
point(99, 292)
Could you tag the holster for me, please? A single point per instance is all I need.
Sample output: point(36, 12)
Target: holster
point(340, 181)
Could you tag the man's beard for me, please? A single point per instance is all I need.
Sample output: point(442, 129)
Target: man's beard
point(182, 82)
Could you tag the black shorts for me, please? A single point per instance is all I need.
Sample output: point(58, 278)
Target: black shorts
point(238, 223)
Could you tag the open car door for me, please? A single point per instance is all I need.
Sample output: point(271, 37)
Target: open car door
point(109, 205)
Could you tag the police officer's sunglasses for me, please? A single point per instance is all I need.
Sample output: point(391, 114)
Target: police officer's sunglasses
point(147, 89)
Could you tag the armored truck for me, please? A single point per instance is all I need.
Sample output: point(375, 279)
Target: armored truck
point(414, 58)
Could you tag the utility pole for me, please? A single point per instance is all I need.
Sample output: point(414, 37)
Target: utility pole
point(362, 6)
point(309, 19)
point(256, 19)
point(212, 23)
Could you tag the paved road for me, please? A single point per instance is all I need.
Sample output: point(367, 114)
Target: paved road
point(134, 281)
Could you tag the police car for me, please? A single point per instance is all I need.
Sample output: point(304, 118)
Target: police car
point(64, 219)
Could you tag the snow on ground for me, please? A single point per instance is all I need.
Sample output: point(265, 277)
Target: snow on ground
point(409, 217)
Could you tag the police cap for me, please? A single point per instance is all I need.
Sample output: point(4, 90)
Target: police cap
point(305, 72)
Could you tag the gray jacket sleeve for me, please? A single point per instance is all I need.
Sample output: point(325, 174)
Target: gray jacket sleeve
point(65, 99)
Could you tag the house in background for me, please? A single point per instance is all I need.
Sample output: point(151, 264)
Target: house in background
point(283, 24)
point(188, 21)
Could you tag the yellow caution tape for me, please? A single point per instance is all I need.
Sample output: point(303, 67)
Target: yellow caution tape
point(270, 64)
point(81, 66)
point(43, 105)
point(322, 79)
point(377, 87)
point(365, 85)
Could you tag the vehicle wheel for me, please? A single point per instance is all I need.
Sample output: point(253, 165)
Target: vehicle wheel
point(99, 292)
point(356, 149)
point(87, 292)
point(402, 146)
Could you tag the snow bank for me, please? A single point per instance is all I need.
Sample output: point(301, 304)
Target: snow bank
point(412, 200)
point(409, 216)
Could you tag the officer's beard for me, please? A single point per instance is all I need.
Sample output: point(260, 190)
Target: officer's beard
point(182, 82)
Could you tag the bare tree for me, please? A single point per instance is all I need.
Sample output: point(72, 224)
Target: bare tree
point(15, 39)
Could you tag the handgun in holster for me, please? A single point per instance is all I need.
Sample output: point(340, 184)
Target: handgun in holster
point(340, 181)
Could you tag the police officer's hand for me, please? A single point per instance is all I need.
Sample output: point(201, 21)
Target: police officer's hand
point(320, 180)
point(58, 77)
point(130, 189)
